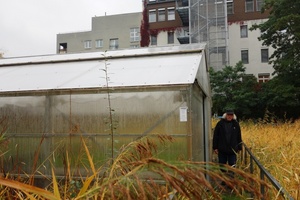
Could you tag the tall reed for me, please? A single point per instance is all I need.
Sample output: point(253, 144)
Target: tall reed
point(137, 173)
point(276, 145)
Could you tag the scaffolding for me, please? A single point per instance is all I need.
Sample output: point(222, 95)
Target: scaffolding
point(207, 22)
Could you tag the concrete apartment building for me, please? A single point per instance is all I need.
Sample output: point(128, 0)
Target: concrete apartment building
point(108, 32)
point(222, 24)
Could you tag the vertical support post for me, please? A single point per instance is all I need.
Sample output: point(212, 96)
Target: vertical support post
point(48, 128)
point(251, 165)
point(189, 125)
point(262, 187)
point(226, 34)
point(190, 24)
point(48, 115)
point(245, 156)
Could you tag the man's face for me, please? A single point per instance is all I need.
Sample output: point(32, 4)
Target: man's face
point(229, 117)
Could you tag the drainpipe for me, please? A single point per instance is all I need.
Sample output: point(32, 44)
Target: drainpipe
point(190, 29)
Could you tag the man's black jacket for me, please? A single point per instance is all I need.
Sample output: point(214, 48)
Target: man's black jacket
point(231, 144)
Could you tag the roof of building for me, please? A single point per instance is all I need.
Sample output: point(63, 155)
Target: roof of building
point(171, 65)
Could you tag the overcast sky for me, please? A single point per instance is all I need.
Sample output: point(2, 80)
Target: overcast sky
point(30, 27)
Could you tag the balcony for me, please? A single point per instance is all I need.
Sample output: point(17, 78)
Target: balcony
point(182, 7)
point(183, 36)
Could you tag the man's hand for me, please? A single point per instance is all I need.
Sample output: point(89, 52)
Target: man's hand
point(216, 151)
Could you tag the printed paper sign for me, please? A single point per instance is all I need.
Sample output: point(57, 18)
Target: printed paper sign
point(183, 114)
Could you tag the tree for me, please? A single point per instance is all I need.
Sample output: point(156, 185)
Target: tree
point(282, 32)
point(232, 88)
point(280, 98)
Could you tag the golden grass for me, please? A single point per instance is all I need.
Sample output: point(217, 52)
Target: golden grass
point(136, 173)
point(276, 145)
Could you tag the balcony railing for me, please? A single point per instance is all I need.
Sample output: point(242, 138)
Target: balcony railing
point(182, 7)
point(183, 35)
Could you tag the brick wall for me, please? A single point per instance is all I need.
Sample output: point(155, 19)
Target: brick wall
point(241, 15)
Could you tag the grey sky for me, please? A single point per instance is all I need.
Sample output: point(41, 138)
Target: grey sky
point(30, 27)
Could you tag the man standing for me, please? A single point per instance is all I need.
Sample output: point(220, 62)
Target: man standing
point(227, 140)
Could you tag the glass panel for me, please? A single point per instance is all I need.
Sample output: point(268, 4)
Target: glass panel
point(230, 8)
point(244, 31)
point(198, 144)
point(245, 56)
point(171, 13)
point(153, 40)
point(259, 4)
point(262, 78)
point(99, 43)
point(134, 34)
point(264, 55)
point(249, 7)
point(170, 37)
point(152, 16)
point(161, 15)
point(114, 43)
point(24, 115)
point(65, 119)
point(87, 44)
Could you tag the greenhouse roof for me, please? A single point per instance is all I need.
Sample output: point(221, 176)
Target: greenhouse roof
point(153, 66)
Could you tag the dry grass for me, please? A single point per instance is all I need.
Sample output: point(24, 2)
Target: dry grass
point(276, 145)
point(136, 173)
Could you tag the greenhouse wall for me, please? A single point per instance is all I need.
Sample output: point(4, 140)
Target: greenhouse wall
point(46, 127)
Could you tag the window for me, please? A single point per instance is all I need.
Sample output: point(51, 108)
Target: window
point(63, 47)
point(259, 4)
point(171, 13)
point(161, 14)
point(230, 7)
point(114, 43)
point(134, 46)
point(249, 5)
point(152, 15)
point(88, 44)
point(244, 31)
point(134, 34)
point(222, 32)
point(151, 1)
point(99, 43)
point(170, 37)
point(245, 56)
point(262, 78)
point(264, 55)
point(153, 40)
point(219, 6)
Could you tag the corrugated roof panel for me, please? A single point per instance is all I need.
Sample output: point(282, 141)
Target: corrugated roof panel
point(143, 70)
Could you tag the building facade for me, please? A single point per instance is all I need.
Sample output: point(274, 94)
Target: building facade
point(222, 24)
point(192, 21)
point(108, 33)
point(161, 24)
point(244, 44)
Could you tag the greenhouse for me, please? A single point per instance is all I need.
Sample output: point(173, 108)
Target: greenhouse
point(49, 103)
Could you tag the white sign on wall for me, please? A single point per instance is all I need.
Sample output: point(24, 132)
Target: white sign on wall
point(183, 113)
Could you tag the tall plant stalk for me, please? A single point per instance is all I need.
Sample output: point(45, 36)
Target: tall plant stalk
point(111, 127)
